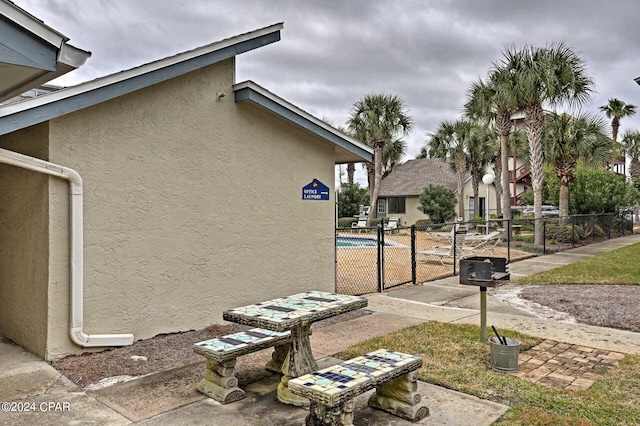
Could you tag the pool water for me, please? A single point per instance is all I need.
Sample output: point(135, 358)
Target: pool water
point(355, 242)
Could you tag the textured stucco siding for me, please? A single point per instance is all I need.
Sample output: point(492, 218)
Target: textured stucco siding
point(24, 243)
point(412, 214)
point(192, 205)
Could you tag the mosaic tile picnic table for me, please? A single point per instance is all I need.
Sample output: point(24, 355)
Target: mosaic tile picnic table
point(295, 313)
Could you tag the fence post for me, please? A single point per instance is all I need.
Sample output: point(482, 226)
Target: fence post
point(380, 259)
point(454, 249)
point(544, 236)
point(573, 231)
point(414, 264)
point(509, 231)
point(610, 224)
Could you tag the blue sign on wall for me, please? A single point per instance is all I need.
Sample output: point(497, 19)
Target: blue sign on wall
point(316, 190)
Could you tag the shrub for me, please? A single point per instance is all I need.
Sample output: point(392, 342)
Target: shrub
point(438, 202)
point(564, 233)
point(345, 222)
point(595, 231)
point(524, 238)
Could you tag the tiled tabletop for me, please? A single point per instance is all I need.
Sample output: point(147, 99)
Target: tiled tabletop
point(343, 381)
point(287, 312)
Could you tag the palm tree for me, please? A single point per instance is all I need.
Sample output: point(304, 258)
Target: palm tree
point(631, 147)
point(450, 142)
point(494, 101)
point(551, 75)
point(569, 140)
point(615, 110)
point(378, 120)
point(481, 149)
point(392, 155)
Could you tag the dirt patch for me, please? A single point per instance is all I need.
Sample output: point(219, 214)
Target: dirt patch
point(160, 353)
point(613, 306)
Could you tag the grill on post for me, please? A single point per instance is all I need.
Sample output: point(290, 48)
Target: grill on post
point(483, 272)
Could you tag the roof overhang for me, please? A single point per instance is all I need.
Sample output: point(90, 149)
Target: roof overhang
point(637, 80)
point(27, 113)
point(347, 149)
point(31, 53)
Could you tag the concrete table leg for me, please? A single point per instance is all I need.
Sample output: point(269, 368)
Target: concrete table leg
point(220, 382)
point(298, 362)
point(340, 415)
point(400, 398)
point(278, 358)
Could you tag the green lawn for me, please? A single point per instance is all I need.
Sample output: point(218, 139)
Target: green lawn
point(615, 267)
point(454, 358)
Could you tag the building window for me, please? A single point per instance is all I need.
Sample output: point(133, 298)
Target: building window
point(397, 205)
point(381, 207)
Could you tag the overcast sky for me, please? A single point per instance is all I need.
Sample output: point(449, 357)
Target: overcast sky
point(332, 53)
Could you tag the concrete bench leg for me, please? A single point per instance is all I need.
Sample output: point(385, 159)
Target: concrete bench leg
point(278, 356)
point(220, 382)
point(321, 415)
point(400, 398)
point(299, 361)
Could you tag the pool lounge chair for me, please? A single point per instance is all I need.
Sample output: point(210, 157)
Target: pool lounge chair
point(361, 223)
point(483, 244)
point(456, 249)
point(393, 223)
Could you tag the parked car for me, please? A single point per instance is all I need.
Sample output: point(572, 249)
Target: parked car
point(547, 211)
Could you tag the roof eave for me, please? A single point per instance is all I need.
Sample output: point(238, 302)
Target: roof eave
point(350, 149)
point(32, 24)
point(24, 114)
point(41, 53)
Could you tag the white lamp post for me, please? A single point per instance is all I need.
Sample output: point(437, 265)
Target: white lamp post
point(487, 180)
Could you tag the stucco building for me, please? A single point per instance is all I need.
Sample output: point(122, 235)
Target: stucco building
point(151, 200)
point(400, 191)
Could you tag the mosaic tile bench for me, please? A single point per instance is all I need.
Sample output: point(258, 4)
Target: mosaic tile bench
point(331, 390)
point(220, 382)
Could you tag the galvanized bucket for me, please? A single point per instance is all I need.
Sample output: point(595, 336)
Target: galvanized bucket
point(504, 357)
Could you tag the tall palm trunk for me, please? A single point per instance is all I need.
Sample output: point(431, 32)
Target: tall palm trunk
point(564, 171)
point(497, 167)
point(615, 125)
point(371, 174)
point(460, 172)
point(503, 126)
point(475, 186)
point(534, 126)
point(634, 171)
point(377, 160)
point(351, 171)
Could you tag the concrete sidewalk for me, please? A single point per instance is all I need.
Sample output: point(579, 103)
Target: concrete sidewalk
point(170, 397)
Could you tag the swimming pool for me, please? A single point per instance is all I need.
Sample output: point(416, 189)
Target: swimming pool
point(355, 242)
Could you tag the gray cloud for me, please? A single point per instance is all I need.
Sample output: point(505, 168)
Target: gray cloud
point(334, 52)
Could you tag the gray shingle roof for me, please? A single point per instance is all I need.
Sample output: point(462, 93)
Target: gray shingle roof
point(412, 177)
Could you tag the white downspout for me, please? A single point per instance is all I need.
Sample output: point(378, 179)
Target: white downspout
point(76, 247)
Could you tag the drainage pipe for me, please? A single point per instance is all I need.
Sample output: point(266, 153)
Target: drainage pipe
point(76, 266)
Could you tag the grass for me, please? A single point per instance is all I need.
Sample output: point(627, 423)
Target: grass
point(454, 358)
point(614, 267)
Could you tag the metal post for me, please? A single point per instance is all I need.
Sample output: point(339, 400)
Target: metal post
point(483, 314)
point(414, 263)
point(379, 263)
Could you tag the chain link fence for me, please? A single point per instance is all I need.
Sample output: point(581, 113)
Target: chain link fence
point(370, 260)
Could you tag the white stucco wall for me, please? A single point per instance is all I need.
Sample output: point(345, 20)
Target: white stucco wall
point(24, 243)
point(192, 206)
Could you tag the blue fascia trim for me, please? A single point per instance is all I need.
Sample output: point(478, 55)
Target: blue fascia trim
point(64, 106)
point(247, 94)
point(27, 50)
